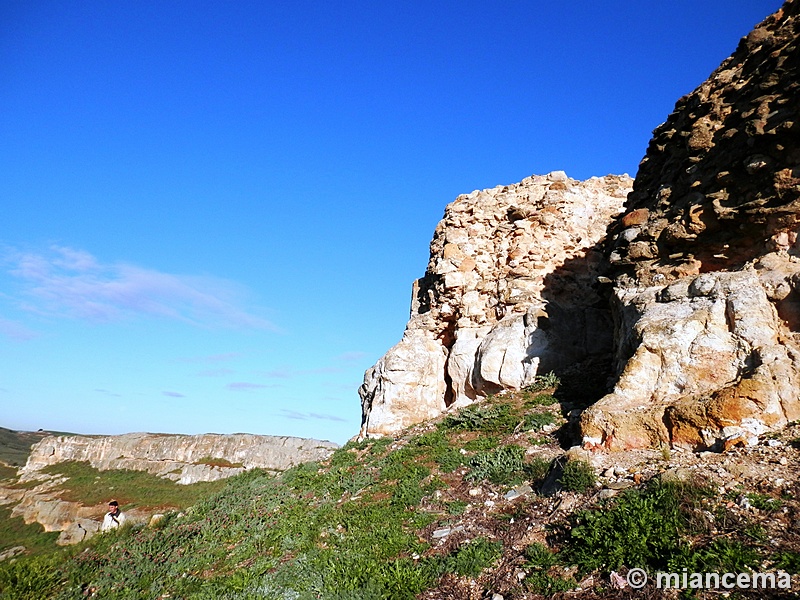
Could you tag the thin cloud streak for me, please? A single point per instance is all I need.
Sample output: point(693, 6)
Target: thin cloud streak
point(215, 372)
point(301, 416)
point(289, 372)
point(244, 386)
point(174, 394)
point(72, 283)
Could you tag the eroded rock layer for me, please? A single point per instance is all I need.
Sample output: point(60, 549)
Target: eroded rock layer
point(183, 458)
point(510, 290)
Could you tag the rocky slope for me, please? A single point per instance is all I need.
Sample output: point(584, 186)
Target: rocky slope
point(691, 289)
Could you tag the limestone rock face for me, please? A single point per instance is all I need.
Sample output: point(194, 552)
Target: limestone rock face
point(510, 290)
point(705, 261)
point(706, 361)
point(181, 458)
point(692, 287)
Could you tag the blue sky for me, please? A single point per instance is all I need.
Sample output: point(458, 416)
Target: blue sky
point(212, 212)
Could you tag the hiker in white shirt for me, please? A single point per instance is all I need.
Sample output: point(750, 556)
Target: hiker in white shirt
point(114, 518)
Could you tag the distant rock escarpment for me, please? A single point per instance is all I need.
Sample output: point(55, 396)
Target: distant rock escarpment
point(689, 289)
point(184, 459)
point(511, 290)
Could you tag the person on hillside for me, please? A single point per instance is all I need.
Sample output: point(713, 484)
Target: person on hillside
point(114, 517)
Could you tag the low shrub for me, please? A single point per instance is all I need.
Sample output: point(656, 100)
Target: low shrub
point(539, 556)
point(578, 476)
point(537, 421)
point(541, 582)
point(473, 557)
point(488, 419)
point(503, 465)
point(532, 400)
point(788, 561)
point(32, 577)
point(641, 529)
point(543, 382)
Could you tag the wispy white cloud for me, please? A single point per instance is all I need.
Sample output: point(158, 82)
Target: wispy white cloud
point(16, 331)
point(301, 416)
point(289, 372)
point(244, 386)
point(69, 282)
point(215, 372)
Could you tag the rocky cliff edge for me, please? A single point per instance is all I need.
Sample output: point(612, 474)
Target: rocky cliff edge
point(685, 289)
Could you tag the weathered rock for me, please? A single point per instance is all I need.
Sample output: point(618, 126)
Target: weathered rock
point(700, 367)
point(183, 458)
point(720, 183)
point(707, 337)
point(509, 291)
point(12, 552)
point(692, 288)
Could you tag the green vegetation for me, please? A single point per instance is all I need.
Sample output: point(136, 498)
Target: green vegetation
point(7, 472)
point(578, 476)
point(505, 465)
point(486, 419)
point(641, 529)
point(544, 382)
point(788, 561)
point(340, 530)
point(392, 518)
point(89, 486)
point(763, 502)
point(532, 400)
point(14, 532)
point(15, 446)
point(472, 558)
point(30, 578)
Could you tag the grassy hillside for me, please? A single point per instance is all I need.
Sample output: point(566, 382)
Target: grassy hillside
point(90, 487)
point(15, 446)
point(445, 511)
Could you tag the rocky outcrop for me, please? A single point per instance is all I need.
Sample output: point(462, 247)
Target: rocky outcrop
point(692, 288)
point(510, 291)
point(707, 362)
point(183, 458)
point(720, 183)
point(705, 261)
